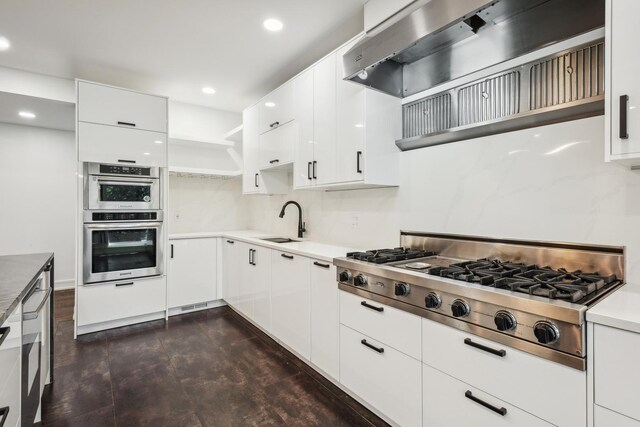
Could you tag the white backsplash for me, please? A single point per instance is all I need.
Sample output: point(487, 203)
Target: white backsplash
point(547, 183)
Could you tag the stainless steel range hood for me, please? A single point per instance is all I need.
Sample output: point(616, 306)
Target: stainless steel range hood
point(443, 40)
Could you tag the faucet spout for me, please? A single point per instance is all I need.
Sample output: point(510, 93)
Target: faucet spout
point(301, 225)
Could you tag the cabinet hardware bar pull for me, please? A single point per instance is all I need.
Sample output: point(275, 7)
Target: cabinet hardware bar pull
point(30, 315)
point(255, 180)
point(230, 241)
point(274, 124)
point(127, 124)
point(125, 284)
point(358, 167)
point(309, 171)
point(501, 353)
point(5, 333)
point(315, 167)
point(250, 253)
point(319, 264)
point(624, 106)
point(372, 347)
point(286, 256)
point(126, 161)
point(500, 411)
point(4, 413)
point(372, 307)
point(172, 250)
point(274, 161)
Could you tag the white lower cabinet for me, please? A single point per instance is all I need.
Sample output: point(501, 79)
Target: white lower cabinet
point(10, 368)
point(448, 402)
point(192, 275)
point(384, 377)
point(231, 270)
point(116, 301)
point(291, 301)
point(603, 417)
point(325, 325)
point(256, 280)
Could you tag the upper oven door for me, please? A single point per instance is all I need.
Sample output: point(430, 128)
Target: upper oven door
point(110, 192)
point(122, 251)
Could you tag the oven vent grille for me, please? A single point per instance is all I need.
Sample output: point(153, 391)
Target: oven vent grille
point(427, 115)
point(192, 307)
point(489, 99)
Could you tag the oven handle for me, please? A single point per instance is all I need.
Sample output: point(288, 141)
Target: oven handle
point(135, 225)
point(125, 182)
point(30, 315)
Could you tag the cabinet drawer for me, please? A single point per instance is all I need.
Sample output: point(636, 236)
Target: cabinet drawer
point(395, 328)
point(120, 107)
point(615, 384)
point(11, 346)
point(120, 300)
point(524, 380)
point(109, 144)
point(10, 396)
point(276, 147)
point(449, 402)
point(277, 108)
point(389, 380)
point(603, 417)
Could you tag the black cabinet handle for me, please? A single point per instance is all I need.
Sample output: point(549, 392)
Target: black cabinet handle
point(500, 411)
point(315, 167)
point(4, 413)
point(358, 167)
point(624, 106)
point(126, 161)
point(5, 333)
point(230, 241)
point(274, 125)
point(372, 307)
point(125, 284)
point(372, 347)
point(127, 124)
point(286, 256)
point(255, 179)
point(274, 161)
point(250, 256)
point(319, 264)
point(309, 171)
point(501, 353)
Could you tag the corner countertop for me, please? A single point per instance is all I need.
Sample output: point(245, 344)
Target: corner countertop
point(619, 310)
point(17, 274)
point(304, 247)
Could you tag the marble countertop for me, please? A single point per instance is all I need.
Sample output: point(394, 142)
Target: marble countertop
point(17, 274)
point(304, 247)
point(620, 310)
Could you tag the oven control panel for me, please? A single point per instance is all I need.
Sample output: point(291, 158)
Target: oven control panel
point(124, 170)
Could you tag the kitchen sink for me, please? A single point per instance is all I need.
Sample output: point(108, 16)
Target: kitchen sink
point(279, 240)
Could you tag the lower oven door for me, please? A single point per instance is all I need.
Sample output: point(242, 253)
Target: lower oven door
point(122, 251)
point(122, 193)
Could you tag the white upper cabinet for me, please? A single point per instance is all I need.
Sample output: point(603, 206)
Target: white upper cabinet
point(324, 121)
point(276, 147)
point(120, 107)
point(378, 11)
point(304, 143)
point(277, 108)
point(622, 123)
point(192, 275)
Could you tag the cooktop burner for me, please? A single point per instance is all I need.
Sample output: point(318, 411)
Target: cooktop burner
point(384, 256)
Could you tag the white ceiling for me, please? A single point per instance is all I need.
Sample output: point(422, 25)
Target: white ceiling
point(175, 48)
point(49, 114)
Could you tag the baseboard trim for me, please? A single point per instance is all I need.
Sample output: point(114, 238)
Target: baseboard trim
point(64, 284)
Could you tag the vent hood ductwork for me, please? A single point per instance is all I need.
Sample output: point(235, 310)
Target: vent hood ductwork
point(443, 40)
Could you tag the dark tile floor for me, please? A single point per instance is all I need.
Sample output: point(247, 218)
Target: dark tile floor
point(210, 368)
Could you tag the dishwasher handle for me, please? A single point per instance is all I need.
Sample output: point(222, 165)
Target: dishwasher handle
point(30, 315)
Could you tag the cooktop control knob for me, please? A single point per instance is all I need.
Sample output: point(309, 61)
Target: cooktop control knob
point(360, 280)
point(402, 289)
point(459, 308)
point(504, 320)
point(432, 300)
point(345, 276)
point(546, 332)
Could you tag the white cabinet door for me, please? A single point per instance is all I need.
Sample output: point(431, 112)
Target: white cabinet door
point(303, 148)
point(251, 149)
point(325, 322)
point(387, 379)
point(110, 144)
point(10, 395)
point(120, 107)
point(231, 271)
point(259, 284)
point(623, 69)
point(449, 402)
point(277, 108)
point(276, 147)
point(290, 301)
point(192, 276)
point(244, 300)
point(604, 417)
point(324, 120)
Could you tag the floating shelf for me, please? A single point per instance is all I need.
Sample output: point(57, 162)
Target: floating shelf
point(234, 135)
point(203, 173)
point(279, 167)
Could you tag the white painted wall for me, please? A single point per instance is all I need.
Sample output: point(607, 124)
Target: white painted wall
point(37, 195)
point(548, 183)
point(200, 122)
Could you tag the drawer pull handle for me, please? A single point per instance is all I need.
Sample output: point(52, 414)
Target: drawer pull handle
point(372, 347)
point(127, 124)
point(4, 413)
point(133, 162)
point(500, 411)
point(274, 125)
point(319, 264)
point(286, 256)
point(372, 307)
point(274, 161)
point(501, 353)
point(5, 333)
point(125, 284)
point(230, 241)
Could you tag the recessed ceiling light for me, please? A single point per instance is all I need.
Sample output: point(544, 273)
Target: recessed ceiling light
point(26, 115)
point(4, 43)
point(270, 104)
point(208, 90)
point(158, 142)
point(272, 24)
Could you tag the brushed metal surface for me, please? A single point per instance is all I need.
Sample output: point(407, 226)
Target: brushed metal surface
point(428, 115)
point(489, 99)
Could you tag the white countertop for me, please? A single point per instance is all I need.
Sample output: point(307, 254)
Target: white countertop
point(303, 247)
point(620, 310)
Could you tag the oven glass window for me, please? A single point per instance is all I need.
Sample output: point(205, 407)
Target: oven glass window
point(125, 193)
point(117, 250)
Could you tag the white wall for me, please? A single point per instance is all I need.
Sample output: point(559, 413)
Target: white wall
point(548, 183)
point(38, 195)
